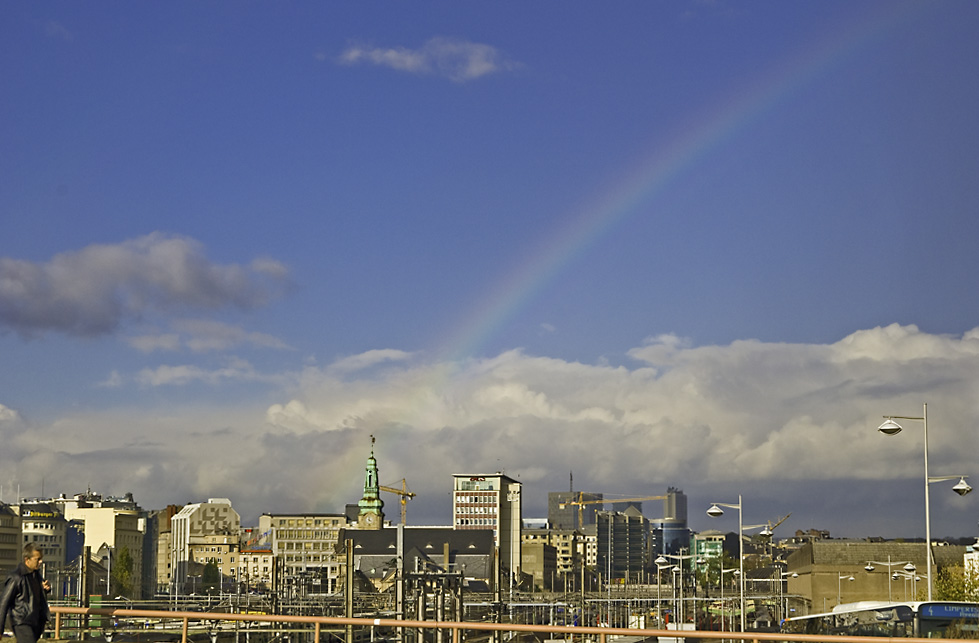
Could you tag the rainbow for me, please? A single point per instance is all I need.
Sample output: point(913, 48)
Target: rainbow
point(655, 172)
point(631, 194)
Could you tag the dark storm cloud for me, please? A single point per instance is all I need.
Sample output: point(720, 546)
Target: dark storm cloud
point(92, 291)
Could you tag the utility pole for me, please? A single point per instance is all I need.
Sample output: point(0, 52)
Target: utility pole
point(399, 606)
point(349, 590)
point(83, 589)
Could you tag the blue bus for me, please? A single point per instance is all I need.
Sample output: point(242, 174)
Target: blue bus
point(931, 619)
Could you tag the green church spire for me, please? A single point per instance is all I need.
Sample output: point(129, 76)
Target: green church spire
point(371, 513)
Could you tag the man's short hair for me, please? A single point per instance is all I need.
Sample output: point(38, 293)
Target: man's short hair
point(29, 550)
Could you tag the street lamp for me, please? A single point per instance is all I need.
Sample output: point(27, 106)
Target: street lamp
point(775, 592)
point(679, 568)
point(907, 575)
point(870, 567)
point(890, 427)
point(783, 589)
point(715, 511)
point(736, 572)
point(839, 586)
point(660, 562)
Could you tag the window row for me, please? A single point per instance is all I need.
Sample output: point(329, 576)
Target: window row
point(475, 510)
point(476, 521)
point(299, 534)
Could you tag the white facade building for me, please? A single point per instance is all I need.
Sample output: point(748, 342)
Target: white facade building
point(112, 530)
point(491, 501)
point(43, 525)
point(304, 546)
point(193, 526)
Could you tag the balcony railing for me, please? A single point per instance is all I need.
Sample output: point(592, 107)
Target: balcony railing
point(345, 629)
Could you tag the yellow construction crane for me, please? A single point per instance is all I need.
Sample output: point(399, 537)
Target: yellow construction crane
point(405, 495)
point(769, 527)
point(780, 521)
point(581, 503)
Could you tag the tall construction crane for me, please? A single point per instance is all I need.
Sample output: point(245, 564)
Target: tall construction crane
point(581, 503)
point(769, 528)
point(768, 534)
point(405, 496)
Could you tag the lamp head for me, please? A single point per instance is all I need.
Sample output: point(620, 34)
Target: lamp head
point(962, 487)
point(660, 561)
point(715, 511)
point(869, 567)
point(909, 567)
point(889, 427)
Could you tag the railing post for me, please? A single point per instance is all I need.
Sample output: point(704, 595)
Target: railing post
point(183, 638)
point(57, 625)
point(317, 636)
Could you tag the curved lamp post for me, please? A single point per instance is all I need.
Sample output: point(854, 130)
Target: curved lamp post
point(908, 574)
point(839, 586)
point(677, 568)
point(660, 563)
point(870, 567)
point(890, 427)
point(737, 572)
point(715, 511)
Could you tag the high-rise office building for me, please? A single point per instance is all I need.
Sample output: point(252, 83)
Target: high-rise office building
point(572, 509)
point(190, 528)
point(621, 551)
point(491, 501)
point(670, 531)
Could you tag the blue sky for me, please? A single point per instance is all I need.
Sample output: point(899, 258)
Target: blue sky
point(723, 237)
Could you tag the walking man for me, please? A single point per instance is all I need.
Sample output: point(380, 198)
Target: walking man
point(25, 599)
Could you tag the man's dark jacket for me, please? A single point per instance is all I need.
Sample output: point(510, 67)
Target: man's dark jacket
point(24, 599)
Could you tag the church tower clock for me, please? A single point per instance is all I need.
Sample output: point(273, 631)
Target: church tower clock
point(371, 514)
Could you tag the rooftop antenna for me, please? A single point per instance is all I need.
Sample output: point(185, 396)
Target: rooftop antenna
point(571, 486)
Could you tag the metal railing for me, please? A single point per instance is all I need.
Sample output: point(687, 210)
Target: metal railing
point(457, 629)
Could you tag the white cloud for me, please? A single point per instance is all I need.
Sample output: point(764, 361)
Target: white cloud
point(93, 291)
point(368, 359)
point(8, 415)
point(59, 31)
point(114, 380)
point(201, 336)
point(208, 335)
point(155, 342)
point(180, 375)
point(457, 60)
point(904, 343)
point(745, 413)
point(792, 426)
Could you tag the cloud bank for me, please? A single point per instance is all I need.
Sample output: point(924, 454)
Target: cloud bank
point(791, 426)
point(457, 60)
point(93, 291)
point(202, 336)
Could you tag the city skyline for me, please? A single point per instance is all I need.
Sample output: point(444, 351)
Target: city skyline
point(392, 502)
point(706, 245)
